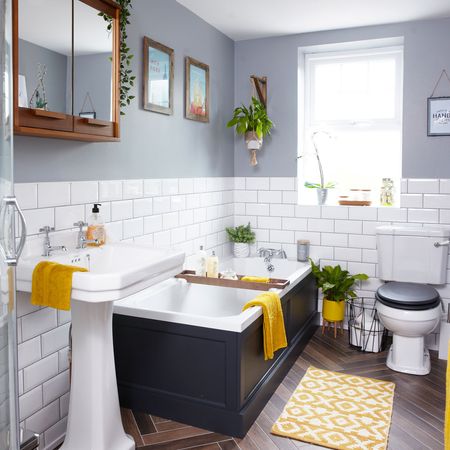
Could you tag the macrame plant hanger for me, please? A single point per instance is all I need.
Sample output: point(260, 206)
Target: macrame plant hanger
point(259, 91)
point(88, 98)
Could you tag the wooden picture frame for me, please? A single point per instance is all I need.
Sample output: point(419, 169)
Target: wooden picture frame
point(196, 83)
point(438, 116)
point(157, 70)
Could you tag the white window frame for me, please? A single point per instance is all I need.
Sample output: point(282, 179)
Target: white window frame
point(343, 51)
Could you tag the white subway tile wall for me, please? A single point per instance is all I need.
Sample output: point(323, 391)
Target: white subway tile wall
point(187, 213)
point(183, 213)
point(338, 234)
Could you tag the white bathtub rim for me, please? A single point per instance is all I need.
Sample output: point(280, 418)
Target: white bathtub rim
point(235, 323)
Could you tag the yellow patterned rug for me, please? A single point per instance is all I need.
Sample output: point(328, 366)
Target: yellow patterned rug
point(338, 411)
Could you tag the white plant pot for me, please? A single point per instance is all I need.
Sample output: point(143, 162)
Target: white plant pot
point(241, 250)
point(253, 144)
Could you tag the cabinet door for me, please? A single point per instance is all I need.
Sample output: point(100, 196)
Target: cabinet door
point(44, 75)
point(94, 69)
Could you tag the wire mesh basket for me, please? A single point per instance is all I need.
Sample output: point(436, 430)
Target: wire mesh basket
point(365, 331)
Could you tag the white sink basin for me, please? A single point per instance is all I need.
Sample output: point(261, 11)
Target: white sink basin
point(115, 270)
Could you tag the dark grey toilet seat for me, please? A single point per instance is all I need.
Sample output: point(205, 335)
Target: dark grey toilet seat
point(408, 296)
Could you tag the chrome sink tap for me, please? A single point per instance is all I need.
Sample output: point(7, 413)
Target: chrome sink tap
point(82, 241)
point(48, 248)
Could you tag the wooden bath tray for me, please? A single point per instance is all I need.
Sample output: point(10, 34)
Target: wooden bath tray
point(355, 202)
point(190, 277)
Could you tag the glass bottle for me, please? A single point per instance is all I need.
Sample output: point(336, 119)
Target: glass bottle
point(387, 192)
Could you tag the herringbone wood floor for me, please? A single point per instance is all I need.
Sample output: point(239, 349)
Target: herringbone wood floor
point(417, 421)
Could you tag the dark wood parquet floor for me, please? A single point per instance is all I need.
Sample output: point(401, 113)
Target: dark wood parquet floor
point(417, 422)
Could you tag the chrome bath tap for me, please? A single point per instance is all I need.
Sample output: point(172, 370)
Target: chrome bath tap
point(268, 254)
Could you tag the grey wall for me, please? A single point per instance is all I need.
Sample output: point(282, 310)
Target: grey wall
point(426, 53)
point(152, 145)
point(92, 73)
point(30, 55)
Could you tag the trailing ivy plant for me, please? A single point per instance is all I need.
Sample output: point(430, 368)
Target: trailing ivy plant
point(126, 74)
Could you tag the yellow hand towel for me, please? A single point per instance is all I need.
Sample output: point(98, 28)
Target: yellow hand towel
point(273, 322)
point(52, 284)
point(256, 279)
point(447, 404)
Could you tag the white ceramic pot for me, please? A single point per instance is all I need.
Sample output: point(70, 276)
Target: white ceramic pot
point(241, 250)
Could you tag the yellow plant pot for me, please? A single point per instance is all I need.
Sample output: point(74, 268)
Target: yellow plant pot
point(333, 311)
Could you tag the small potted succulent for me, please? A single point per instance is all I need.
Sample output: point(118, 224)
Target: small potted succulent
point(254, 123)
point(337, 287)
point(241, 236)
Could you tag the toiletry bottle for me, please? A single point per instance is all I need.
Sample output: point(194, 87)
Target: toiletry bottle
point(96, 228)
point(212, 270)
point(200, 269)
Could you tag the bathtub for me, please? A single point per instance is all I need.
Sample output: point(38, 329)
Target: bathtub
point(214, 307)
point(187, 352)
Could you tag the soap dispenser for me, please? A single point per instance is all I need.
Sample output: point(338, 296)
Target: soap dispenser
point(96, 227)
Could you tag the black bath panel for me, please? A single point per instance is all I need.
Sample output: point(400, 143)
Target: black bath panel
point(208, 378)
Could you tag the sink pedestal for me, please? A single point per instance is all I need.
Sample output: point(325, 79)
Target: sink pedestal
point(94, 421)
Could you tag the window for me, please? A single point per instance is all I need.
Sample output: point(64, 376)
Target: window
point(353, 115)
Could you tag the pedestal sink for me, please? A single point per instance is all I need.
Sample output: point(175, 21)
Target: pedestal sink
point(115, 271)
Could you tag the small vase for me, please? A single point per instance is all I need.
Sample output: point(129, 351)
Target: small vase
point(241, 250)
point(333, 311)
point(322, 195)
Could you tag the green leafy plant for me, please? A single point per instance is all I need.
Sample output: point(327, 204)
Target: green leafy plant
point(329, 185)
point(241, 234)
point(251, 118)
point(126, 74)
point(336, 284)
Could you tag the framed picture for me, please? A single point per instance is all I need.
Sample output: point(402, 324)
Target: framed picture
point(158, 77)
point(196, 87)
point(438, 116)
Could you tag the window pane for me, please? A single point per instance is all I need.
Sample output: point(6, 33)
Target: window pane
point(354, 90)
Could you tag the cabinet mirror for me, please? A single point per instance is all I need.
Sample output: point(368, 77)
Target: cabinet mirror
point(66, 67)
point(93, 91)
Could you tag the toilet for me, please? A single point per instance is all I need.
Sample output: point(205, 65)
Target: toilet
point(410, 259)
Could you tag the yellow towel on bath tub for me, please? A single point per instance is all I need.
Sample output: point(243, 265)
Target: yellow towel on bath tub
point(256, 279)
point(273, 322)
point(52, 284)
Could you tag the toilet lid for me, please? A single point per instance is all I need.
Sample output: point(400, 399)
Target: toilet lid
point(410, 296)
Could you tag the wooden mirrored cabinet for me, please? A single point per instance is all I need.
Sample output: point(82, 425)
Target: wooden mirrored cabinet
point(66, 69)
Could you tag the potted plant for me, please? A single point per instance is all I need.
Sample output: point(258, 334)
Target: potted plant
point(322, 187)
point(337, 287)
point(241, 236)
point(254, 123)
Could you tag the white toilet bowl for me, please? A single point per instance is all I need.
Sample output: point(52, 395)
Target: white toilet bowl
point(408, 353)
